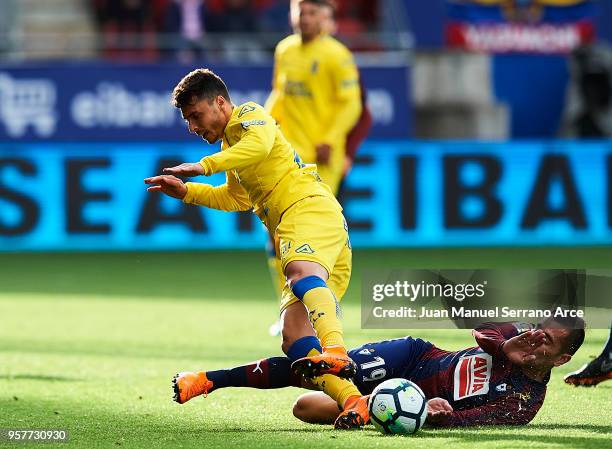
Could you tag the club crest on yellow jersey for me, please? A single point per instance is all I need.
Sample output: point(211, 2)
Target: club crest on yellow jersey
point(245, 109)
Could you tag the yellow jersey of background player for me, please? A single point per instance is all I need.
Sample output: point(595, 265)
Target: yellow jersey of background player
point(315, 92)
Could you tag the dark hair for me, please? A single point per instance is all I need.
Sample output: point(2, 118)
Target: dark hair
point(198, 85)
point(329, 3)
point(575, 326)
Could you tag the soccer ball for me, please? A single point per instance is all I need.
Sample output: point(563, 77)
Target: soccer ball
point(397, 406)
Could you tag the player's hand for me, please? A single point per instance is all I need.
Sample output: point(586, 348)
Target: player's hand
point(170, 185)
point(187, 169)
point(439, 406)
point(323, 153)
point(519, 349)
point(438, 411)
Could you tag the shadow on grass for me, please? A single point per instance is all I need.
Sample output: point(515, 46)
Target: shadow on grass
point(585, 427)
point(552, 435)
point(482, 435)
point(92, 425)
point(38, 377)
point(151, 275)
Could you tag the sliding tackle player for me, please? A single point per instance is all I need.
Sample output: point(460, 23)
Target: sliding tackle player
point(502, 381)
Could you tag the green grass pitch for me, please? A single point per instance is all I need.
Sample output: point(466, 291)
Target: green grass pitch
point(89, 342)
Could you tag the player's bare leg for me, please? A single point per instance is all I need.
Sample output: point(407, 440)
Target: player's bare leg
point(294, 326)
point(278, 281)
point(318, 408)
point(307, 280)
point(337, 390)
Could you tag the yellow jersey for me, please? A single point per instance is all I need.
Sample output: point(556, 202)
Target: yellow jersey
point(263, 171)
point(316, 98)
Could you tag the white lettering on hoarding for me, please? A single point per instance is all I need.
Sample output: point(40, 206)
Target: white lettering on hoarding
point(25, 102)
point(114, 106)
point(539, 39)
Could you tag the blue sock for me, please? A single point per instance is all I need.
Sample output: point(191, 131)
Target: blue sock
point(301, 287)
point(301, 347)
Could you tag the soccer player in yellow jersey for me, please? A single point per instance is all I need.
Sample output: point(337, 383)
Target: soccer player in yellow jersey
point(315, 96)
point(265, 174)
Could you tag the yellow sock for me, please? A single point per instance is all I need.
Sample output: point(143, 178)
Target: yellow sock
point(323, 312)
point(313, 352)
point(336, 388)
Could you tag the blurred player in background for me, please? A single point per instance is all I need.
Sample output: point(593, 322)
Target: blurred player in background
point(315, 90)
point(596, 371)
point(265, 174)
point(502, 381)
point(317, 99)
point(358, 134)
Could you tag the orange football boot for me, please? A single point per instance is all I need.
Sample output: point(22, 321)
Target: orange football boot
point(355, 414)
point(333, 360)
point(188, 385)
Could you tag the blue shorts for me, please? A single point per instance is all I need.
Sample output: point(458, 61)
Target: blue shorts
point(387, 359)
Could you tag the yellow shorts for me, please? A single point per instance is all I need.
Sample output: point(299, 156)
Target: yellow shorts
point(332, 176)
point(315, 230)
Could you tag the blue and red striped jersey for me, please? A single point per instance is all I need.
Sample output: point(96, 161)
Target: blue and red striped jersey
point(479, 382)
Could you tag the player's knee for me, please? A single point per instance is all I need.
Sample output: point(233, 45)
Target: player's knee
point(298, 410)
point(315, 408)
point(302, 410)
point(298, 270)
point(294, 276)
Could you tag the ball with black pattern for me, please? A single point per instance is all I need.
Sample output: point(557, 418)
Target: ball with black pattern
point(397, 406)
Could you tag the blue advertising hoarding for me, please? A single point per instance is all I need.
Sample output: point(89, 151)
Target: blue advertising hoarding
point(95, 102)
point(400, 194)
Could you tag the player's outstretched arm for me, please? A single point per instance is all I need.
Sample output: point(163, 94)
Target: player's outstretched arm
point(257, 134)
point(187, 169)
point(230, 196)
point(170, 185)
point(492, 336)
point(513, 410)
